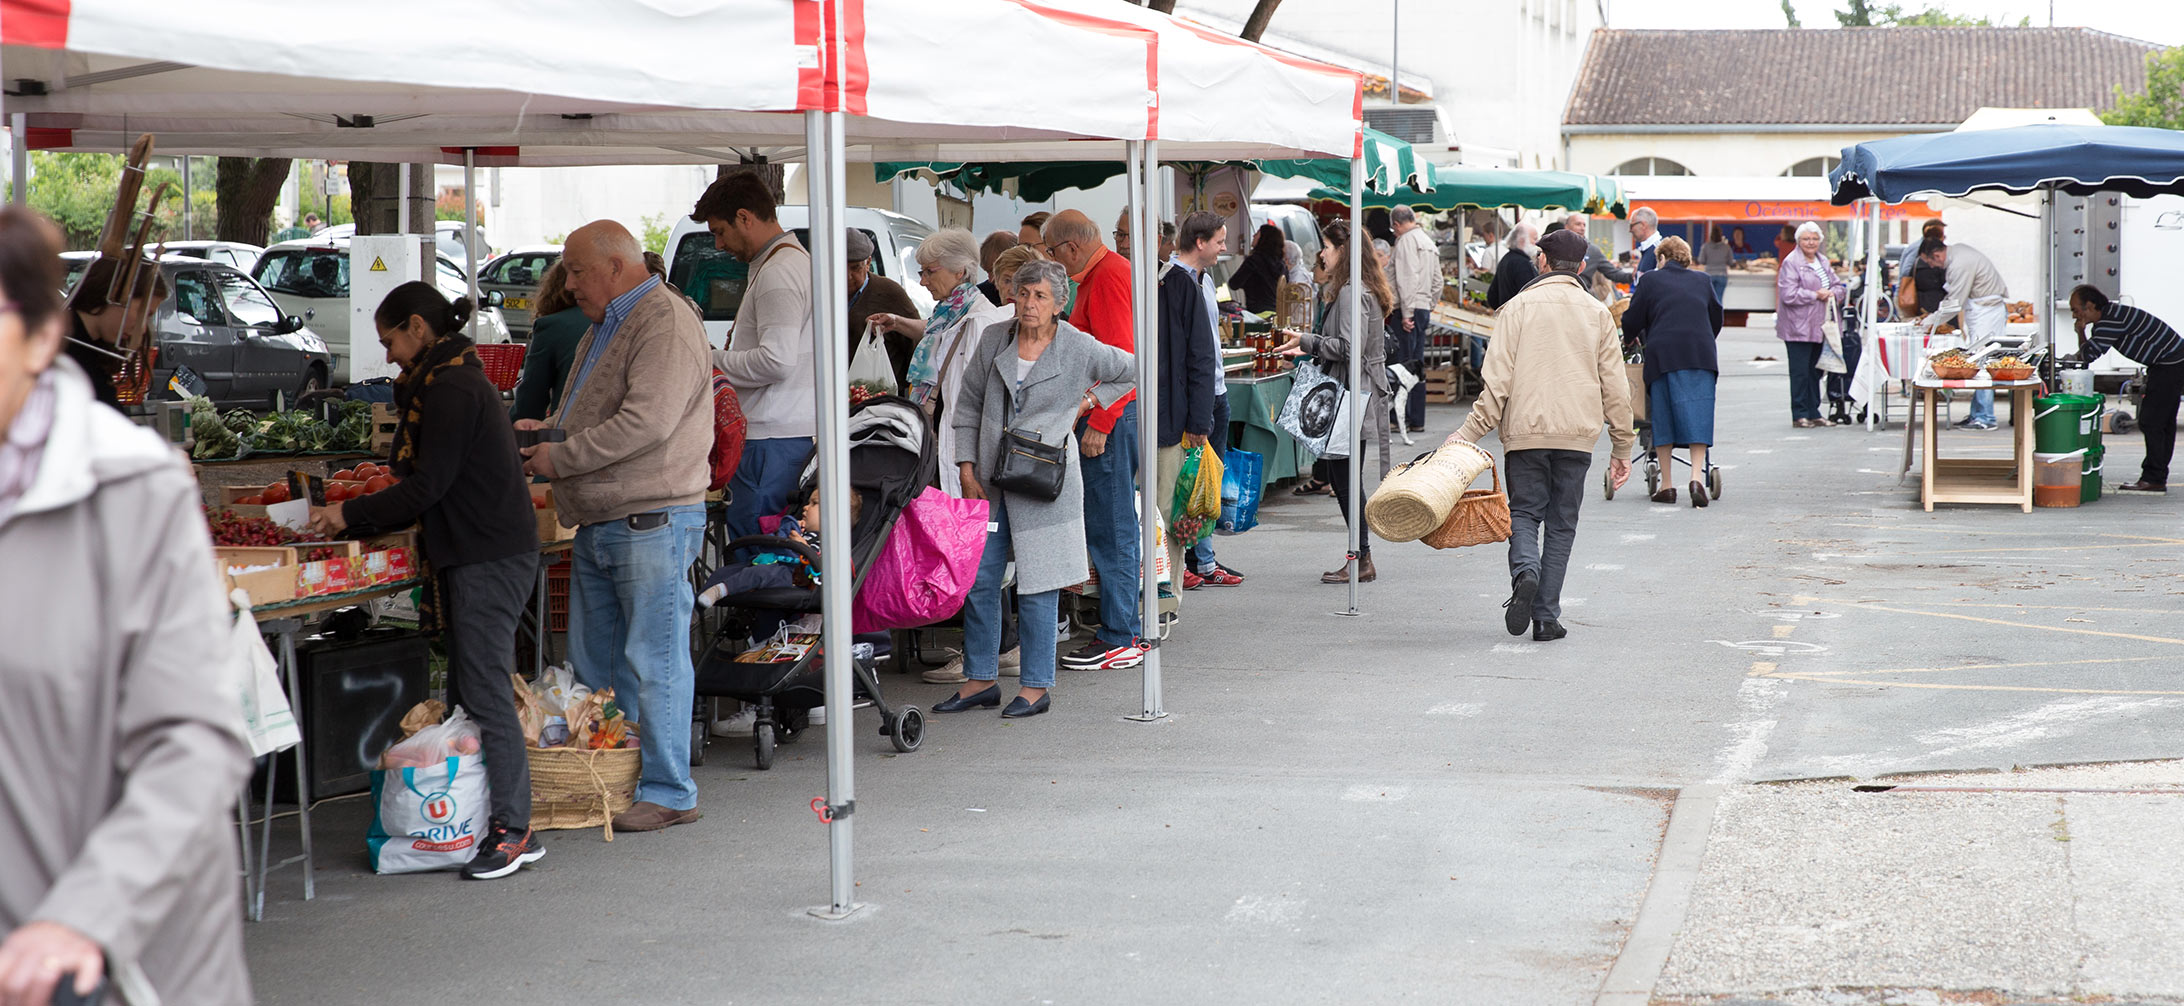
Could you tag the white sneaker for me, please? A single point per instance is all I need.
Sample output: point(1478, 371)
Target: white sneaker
point(818, 716)
point(742, 724)
point(1012, 662)
point(950, 673)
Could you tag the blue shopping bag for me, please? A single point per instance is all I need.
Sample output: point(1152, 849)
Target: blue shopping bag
point(1242, 483)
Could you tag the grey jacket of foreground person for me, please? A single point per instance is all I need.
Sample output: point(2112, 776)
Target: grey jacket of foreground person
point(1048, 537)
point(121, 745)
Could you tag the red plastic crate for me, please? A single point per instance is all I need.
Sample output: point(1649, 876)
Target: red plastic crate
point(557, 597)
point(503, 363)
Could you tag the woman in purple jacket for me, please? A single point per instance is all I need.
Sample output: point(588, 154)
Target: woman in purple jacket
point(1807, 294)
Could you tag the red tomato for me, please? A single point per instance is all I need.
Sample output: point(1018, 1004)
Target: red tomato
point(275, 493)
point(365, 470)
point(346, 475)
point(378, 482)
point(538, 502)
point(335, 494)
point(250, 501)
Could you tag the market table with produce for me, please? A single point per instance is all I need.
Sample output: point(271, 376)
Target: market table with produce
point(1975, 480)
point(1258, 383)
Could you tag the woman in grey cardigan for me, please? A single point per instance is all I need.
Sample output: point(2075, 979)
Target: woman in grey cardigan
point(1034, 376)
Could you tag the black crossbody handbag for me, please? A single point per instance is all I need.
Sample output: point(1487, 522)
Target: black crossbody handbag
point(1029, 466)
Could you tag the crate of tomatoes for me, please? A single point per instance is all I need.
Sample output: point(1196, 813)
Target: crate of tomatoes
point(362, 480)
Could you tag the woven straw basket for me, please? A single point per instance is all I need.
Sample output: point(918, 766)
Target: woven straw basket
point(579, 788)
point(1481, 517)
point(1417, 497)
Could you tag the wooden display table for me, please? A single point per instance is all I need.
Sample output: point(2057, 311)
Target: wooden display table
point(1976, 480)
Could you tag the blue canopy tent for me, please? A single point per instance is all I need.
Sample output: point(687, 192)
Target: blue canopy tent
point(2043, 158)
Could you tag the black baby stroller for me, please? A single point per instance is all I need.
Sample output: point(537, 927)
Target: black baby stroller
point(890, 462)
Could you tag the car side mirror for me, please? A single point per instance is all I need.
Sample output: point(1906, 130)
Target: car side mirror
point(289, 323)
point(493, 298)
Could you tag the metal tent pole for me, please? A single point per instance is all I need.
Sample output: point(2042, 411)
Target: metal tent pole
point(1869, 306)
point(1142, 168)
point(2044, 306)
point(1358, 243)
point(18, 161)
point(830, 295)
point(470, 234)
point(188, 224)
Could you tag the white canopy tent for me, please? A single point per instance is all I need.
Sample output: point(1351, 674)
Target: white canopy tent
point(814, 80)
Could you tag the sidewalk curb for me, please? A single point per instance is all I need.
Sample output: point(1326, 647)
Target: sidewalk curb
point(1675, 874)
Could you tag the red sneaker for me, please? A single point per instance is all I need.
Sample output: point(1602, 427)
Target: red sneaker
point(1192, 581)
point(1220, 576)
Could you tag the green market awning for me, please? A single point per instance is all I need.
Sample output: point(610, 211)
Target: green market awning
point(1486, 188)
point(1389, 163)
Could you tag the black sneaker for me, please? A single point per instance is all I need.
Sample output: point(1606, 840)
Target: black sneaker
point(504, 852)
point(1517, 613)
point(1548, 632)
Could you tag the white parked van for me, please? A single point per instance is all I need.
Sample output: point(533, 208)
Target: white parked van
point(715, 278)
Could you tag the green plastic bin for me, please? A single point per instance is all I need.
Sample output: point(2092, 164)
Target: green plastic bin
point(2065, 423)
point(2093, 459)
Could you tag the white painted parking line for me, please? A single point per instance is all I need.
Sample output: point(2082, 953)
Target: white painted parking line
point(1514, 647)
point(2052, 720)
point(1756, 698)
point(1363, 793)
point(1633, 539)
point(1603, 567)
point(1456, 709)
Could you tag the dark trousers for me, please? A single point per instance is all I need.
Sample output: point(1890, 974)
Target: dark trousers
point(1839, 384)
point(483, 602)
point(1804, 379)
point(1413, 355)
point(1545, 488)
point(1336, 473)
point(2157, 417)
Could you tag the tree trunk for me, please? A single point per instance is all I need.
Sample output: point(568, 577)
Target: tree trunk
point(1255, 25)
point(774, 175)
point(247, 190)
point(375, 196)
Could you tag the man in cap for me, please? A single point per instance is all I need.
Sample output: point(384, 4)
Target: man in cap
point(1553, 375)
point(870, 294)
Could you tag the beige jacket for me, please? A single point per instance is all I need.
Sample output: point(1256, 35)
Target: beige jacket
point(641, 426)
point(1417, 271)
point(1554, 373)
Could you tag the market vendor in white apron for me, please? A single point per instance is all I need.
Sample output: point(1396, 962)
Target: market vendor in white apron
point(1972, 287)
point(2149, 342)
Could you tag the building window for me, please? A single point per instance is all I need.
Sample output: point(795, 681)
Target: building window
point(1650, 166)
point(1812, 167)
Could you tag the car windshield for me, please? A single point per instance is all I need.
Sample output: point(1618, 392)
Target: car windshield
point(519, 270)
point(247, 304)
point(305, 272)
point(710, 276)
point(76, 268)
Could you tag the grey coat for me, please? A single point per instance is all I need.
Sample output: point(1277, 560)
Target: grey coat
point(121, 741)
point(1331, 348)
point(1048, 538)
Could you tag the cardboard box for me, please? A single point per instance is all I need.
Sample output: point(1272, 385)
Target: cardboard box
point(549, 517)
point(384, 422)
point(265, 586)
point(387, 558)
point(327, 576)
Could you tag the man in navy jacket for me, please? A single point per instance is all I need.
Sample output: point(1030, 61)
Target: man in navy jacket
point(1189, 364)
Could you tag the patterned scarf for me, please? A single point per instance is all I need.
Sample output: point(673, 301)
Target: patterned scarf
point(925, 361)
point(409, 400)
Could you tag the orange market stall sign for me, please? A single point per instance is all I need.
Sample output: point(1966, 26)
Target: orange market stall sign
point(1784, 210)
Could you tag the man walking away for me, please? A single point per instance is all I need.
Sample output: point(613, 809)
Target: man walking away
point(2148, 341)
point(1970, 286)
point(1108, 439)
point(1554, 373)
point(631, 475)
point(1417, 287)
point(768, 359)
point(1193, 397)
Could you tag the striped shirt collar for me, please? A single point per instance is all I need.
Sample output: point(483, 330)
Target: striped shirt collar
point(620, 307)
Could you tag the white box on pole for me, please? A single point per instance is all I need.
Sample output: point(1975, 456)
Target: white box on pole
point(377, 264)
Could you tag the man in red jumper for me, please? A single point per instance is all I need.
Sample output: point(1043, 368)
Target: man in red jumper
point(1108, 439)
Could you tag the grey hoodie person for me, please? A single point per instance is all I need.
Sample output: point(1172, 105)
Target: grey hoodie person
point(121, 730)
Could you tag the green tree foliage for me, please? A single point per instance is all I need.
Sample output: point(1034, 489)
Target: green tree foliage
point(77, 191)
point(1789, 14)
point(2162, 103)
point(657, 231)
point(1867, 14)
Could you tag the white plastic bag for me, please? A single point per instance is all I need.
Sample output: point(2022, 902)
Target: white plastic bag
point(267, 719)
point(431, 812)
point(558, 689)
point(873, 366)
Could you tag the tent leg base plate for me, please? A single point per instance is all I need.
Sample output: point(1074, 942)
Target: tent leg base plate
point(829, 913)
point(1147, 717)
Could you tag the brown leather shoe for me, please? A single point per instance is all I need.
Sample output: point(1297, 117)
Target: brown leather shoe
point(2141, 486)
point(1341, 574)
point(644, 816)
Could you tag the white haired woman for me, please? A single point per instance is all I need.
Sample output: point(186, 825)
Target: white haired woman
point(948, 268)
point(1807, 293)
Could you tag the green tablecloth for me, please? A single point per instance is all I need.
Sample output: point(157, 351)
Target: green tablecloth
point(1254, 403)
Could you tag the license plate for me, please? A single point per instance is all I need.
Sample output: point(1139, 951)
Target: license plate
point(516, 303)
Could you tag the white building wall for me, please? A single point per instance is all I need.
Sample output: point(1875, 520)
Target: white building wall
point(1737, 154)
point(1500, 71)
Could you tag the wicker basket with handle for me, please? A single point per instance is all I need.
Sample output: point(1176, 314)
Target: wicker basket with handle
point(575, 787)
point(1416, 497)
point(1481, 517)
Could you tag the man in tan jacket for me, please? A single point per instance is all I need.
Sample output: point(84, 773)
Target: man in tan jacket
point(1553, 374)
point(637, 415)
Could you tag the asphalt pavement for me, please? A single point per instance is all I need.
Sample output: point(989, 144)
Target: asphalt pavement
point(1410, 805)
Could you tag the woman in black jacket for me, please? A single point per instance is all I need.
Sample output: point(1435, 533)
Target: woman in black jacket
point(1675, 317)
point(1258, 279)
point(461, 478)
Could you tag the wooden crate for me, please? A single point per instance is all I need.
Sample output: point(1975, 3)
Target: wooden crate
point(549, 516)
point(265, 586)
point(384, 422)
point(1440, 384)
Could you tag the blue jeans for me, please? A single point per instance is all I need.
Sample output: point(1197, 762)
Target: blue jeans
point(1201, 557)
point(1035, 621)
point(629, 629)
point(1721, 288)
point(1110, 532)
point(1983, 406)
point(764, 480)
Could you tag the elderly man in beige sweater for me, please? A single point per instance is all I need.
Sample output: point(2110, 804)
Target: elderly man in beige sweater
point(1553, 374)
point(630, 475)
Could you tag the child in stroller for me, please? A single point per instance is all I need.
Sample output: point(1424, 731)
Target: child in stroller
point(767, 570)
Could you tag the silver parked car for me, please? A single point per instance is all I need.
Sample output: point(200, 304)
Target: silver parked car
point(515, 276)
